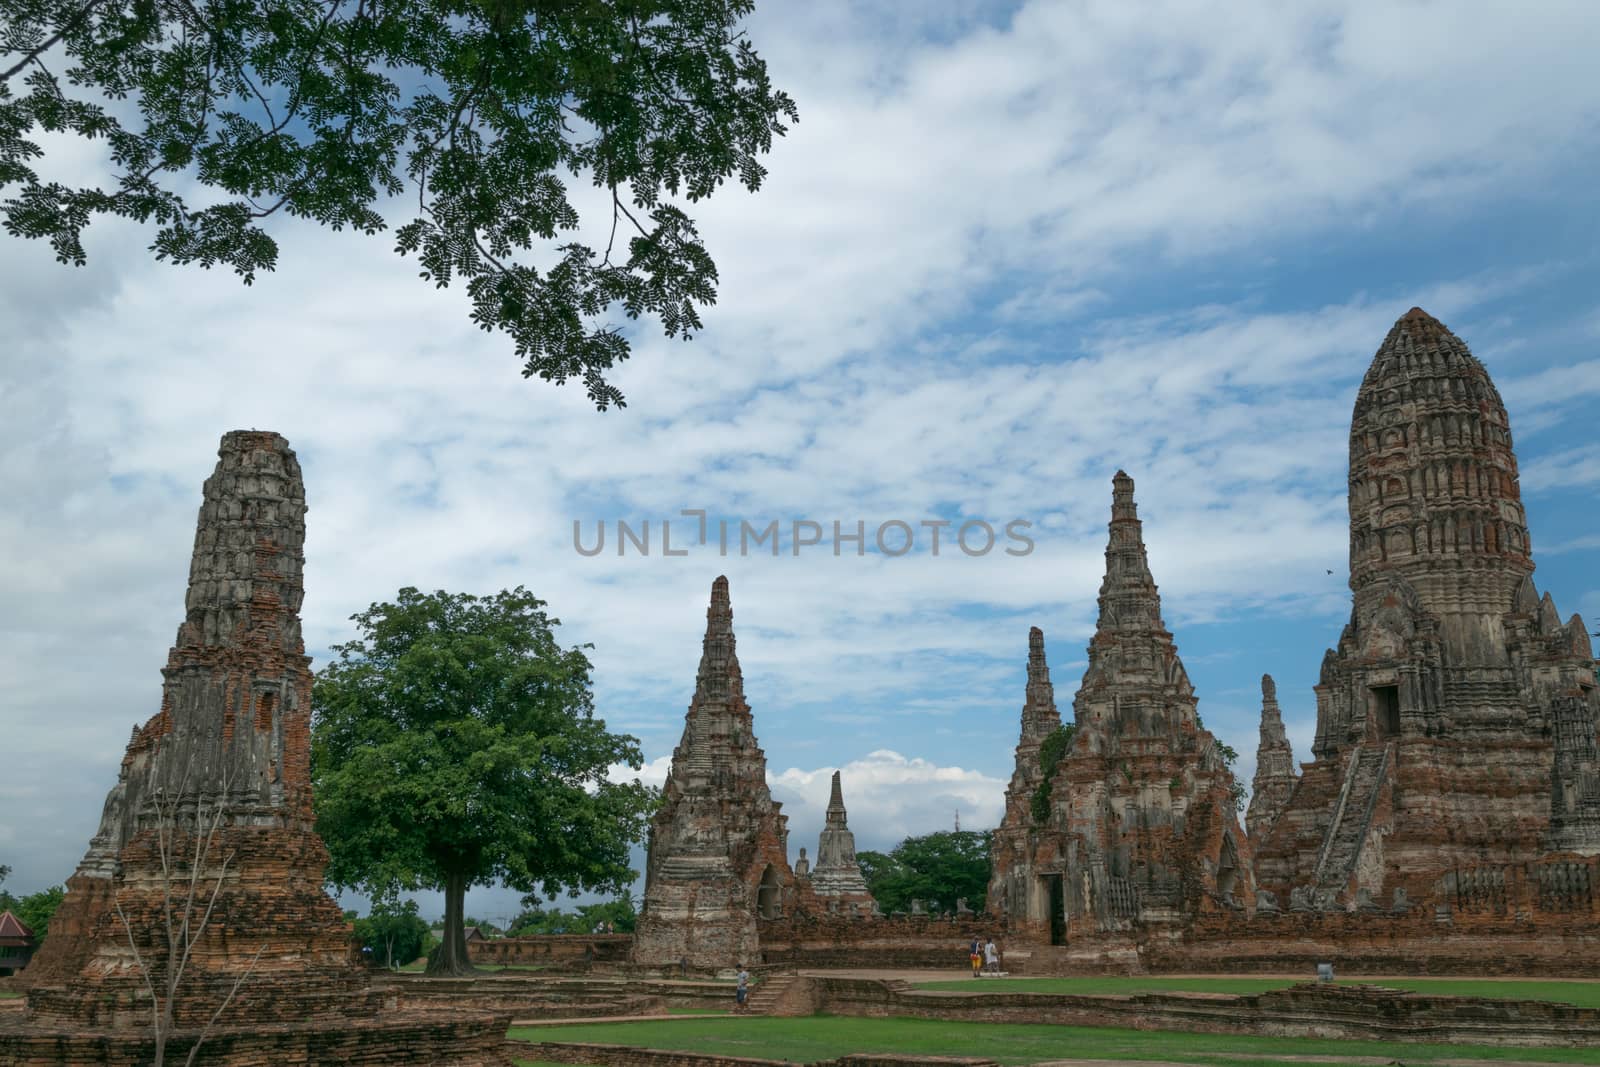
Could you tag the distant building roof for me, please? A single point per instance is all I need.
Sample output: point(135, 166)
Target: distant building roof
point(13, 931)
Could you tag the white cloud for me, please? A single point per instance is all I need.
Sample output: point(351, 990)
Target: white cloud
point(1571, 468)
point(889, 797)
point(937, 306)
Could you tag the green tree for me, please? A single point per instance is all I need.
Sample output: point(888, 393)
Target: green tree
point(33, 910)
point(539, 921)
point(937, 868)
point(1052, 750)
point(392, 932)
point(462, 114)
point(455, 744)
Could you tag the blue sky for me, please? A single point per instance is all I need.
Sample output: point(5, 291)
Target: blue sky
point(1000, 257)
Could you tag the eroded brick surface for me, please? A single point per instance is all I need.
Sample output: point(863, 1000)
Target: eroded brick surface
point(233, 731)
point(718, 849)
point(1141, 829)
point(1456, 716)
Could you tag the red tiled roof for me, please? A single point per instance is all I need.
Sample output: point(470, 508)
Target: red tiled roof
point(12, 930)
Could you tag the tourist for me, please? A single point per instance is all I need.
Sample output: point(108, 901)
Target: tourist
point(741, 993)
point(975, 956)
point(991, 957)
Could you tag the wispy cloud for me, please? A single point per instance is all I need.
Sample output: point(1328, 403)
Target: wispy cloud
point(1003, 254)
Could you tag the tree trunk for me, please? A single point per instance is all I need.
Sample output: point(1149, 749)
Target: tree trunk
point(450, 960)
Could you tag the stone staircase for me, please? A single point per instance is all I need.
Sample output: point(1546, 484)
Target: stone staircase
point(784, 994)
point(1352, 816)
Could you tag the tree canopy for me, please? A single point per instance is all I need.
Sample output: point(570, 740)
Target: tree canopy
point(392, 933)
point(468, 117)
point(455, 744)
point(33, 909)
point(1052, 750)
point(938, 869)
point(538, 918)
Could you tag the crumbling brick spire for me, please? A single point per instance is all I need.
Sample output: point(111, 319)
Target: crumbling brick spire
point(1132, 650)
point(1275, 773)
point(719, 679)
point(214, 798)
point(717, 854)
point(1128, 597)
point(235, 717)
point(1039, 715)
point(837, 874)
point(1012, 890)
point(1455, 715)
point(836, 813)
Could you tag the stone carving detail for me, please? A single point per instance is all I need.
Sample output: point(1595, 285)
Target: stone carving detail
point(1142, 825)
point(233, 729)
point(717, 857)
point(837, 876)
point(1456, 716)
point(1275, 773)
point(802, 866)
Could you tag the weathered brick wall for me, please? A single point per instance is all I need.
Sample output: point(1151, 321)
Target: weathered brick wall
point(524, 997)
point(558, 950)
point(511, 988)
point(1535, 942)
point(463, 1040)
point(1303, 1010)
point(890, 941)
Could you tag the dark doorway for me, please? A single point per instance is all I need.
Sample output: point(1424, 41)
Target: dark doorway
point(1227, 867)
point(1386, 710)
point(769, 895)
point(1058, 910)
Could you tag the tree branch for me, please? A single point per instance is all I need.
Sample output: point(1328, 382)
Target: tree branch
point(237, 982)
point(32, 55)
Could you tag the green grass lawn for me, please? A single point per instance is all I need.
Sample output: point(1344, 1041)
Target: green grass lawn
point(418, 966)
point(825, 1037)
point(10, 993)
point(1583, 994)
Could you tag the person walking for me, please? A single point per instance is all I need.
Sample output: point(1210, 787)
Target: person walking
point(975, 955)
point(991, 957)
point(741, 993)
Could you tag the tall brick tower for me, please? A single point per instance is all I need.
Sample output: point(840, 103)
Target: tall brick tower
point(215, 791)
point(1456, 717)
point(1142, 831)
point(1275, 776)
point(837, 878)
point(718, 847)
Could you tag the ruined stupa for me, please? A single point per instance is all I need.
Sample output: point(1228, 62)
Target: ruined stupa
point(1141, 829)
point(1015, 889)
point(718, 850)
point(1456, 717)
point(837, 878)
point(230, 749)
point(1275, 776)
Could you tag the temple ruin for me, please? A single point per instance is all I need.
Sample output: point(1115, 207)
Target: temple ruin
point(1456, 717)
point(837, 880)
point(1015, 890)
point(1275, 776)
point(216, 787)
point(718, 849)
point(1140, 828)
